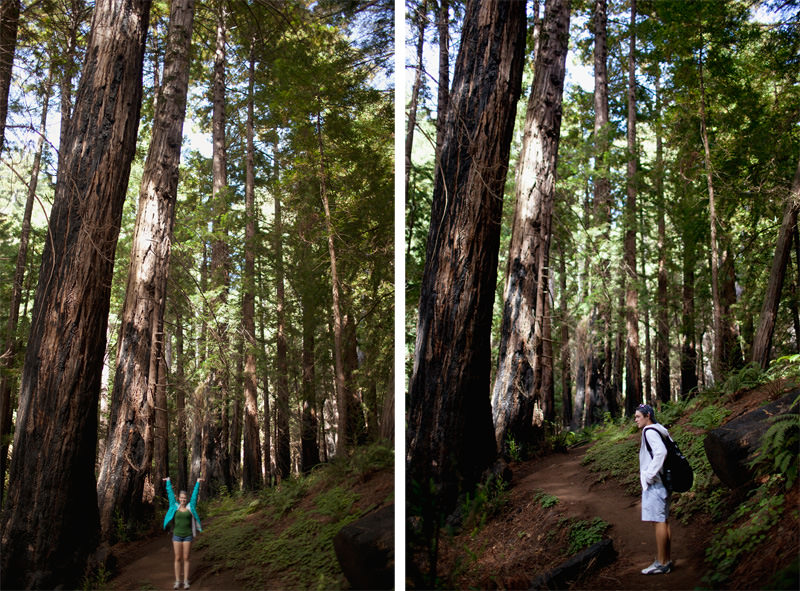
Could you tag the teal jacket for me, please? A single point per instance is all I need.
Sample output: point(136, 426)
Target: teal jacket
point(174, 504)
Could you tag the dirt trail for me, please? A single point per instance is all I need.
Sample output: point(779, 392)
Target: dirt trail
point(148, 565)
point(563, 476)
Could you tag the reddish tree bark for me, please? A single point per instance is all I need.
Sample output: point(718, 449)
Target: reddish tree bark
point(450, 435)
point(51, 520)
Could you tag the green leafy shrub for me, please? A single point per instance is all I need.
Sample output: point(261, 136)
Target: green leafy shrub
point(487, 500)
point(709, 417)
point(583, 534)
point(616, 456)
point(750, 376)
point(777, 453)
point(545, 500)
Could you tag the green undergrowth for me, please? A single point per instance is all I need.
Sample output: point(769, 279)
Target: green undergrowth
point(742, 521)
point(283, 536)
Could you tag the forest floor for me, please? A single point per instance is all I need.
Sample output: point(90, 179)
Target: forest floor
point(554, 500)
point(280, 538)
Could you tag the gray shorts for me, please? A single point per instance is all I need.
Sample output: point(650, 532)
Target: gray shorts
point(655, 503)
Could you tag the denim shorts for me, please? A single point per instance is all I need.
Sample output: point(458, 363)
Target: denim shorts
point(655, 503)
point(181, 539)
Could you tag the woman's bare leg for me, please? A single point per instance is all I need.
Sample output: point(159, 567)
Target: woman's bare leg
point(187, 547)
point(176, 546)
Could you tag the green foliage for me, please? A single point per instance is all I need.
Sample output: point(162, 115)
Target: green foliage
point(778, 451)
point(583, 533)
point(513, 448)
point(709, 417)
point(286, 533)
point(744, 530)
point(746, 378)
point(786, 367)
point(545, 500)
point(97, 579)
point(487, 500)
point(616, 455)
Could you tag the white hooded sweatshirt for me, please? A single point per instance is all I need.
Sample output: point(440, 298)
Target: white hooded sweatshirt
point(649, 468)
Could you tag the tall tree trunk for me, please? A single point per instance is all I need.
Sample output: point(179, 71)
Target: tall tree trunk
point(688, 341)
point(662, 318)
point(161, 432)
point(716, 359)
point(282, 443)
point(421, 17)
point(51, 521)
point(518, 386)
point(129, 450)
point(732, 357)
point(633, 370)
point(8, 355)
point(267, 449)
point(251, 468)
point(566, 370)
point(344, 438)
point(309, 424)
point(215, 447)
point(9, 24)
point(180, 403)
point(769, 310)
point(443, 93)
point(450, 435)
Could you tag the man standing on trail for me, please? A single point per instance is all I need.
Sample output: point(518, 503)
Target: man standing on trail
point(655, 497)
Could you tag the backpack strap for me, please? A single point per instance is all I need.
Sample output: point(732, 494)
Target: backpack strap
point(647, 443)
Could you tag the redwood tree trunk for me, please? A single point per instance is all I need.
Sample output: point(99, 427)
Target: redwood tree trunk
point(421, 20)
point(309, 422)
point(251, 468)
point(129, 450)
point(282, 443)
point(769, 310)
point(662, 318)
point(633, 369)
point(51, 521)
point(450, 435)
point(519, 384)
point(443, 93)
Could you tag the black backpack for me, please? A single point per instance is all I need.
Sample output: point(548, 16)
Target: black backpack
point(676, 473)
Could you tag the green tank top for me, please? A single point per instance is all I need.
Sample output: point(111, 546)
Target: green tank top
point(183, 524)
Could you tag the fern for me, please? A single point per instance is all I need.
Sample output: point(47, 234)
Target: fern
point(778, 451)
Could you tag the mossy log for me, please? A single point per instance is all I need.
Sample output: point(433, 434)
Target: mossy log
point(595, 556)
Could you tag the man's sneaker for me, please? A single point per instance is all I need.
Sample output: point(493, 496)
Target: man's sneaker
point(657, 568)
point(186, 584)
point(177, 585)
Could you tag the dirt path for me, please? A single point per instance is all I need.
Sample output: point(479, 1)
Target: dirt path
point(563, 476)
point(148, 565)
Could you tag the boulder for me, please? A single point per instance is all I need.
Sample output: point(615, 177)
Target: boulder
point(731, 447)
point(365, 550)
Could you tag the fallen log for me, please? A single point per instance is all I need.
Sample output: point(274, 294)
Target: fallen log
point(731, 447)
point(365, 550)
point(595, 556)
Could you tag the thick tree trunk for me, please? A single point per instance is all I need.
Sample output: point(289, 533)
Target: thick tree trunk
point(51, 521)
point(251, 468)
point(772, 297)
point(522, 364)
point(180, 402)
point(8, 355)
point(309, 423)
point(566, 370)
point(450, 435)
point(732, 357)
point(215, 447)
point(421, 20)
point(9, 24)
point(633, 369)
point(129, 450)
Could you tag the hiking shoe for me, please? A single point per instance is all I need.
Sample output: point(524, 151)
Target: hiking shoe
point(176, 585)
point(657, 568)
point(186, 584)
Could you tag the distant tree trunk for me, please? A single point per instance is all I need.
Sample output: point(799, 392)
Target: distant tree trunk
point(796, 290)
point(716, 359)
point(282, 443)
point(421, 15)
point(9, 24)
point(387, 413)
point(688, 343)
point(50, 524)
point(450, 436)
point(648, 365)
point(519, 382)
point(8, 355)
point(129, 450)
point(309, 423)
point(443, 93)
point(161, 432)
point(662, 318)
point(769, 310)
point(180, 402)
point(267, 446)
point(566, 371)
point(732, 357)
point(344, 438)
point(633, 370)
point(251, 468)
